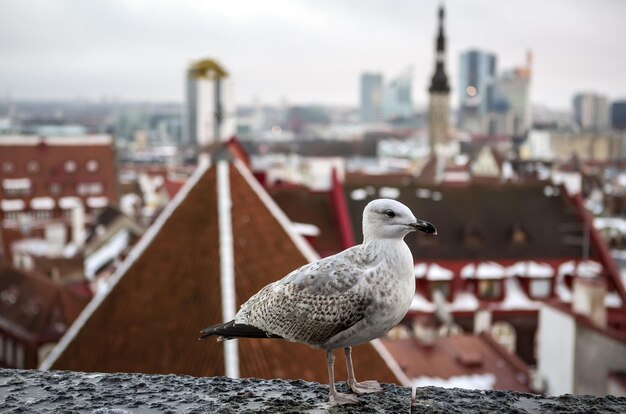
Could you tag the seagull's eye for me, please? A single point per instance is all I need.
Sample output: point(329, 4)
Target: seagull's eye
point(390, 213)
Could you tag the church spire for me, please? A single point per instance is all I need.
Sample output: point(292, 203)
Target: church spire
point(440, 79)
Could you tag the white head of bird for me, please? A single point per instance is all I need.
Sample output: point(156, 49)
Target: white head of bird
point(389, 219)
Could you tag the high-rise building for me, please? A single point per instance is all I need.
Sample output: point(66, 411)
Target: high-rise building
point(372, 97)
point(591, 111)
point(439, 94)
point(512, 96)
point(493, 104)
point(210, 114)
point(477, 82)
point(398, 102)
point(618, 115)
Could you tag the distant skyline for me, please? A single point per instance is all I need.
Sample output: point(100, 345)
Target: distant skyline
point(301, 52)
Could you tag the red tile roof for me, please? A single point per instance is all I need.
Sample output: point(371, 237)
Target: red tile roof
point(460, 355)
point(34, 308)
point(150, 319)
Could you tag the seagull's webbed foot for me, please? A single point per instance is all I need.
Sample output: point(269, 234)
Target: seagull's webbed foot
point(334, 397)
point(339, 398)
point(365, 387)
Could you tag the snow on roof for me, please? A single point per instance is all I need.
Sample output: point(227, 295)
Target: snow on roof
point(128, 203)
point(436, 272)
point(108, 252)
point(530, 268)
point(420, 270)
point(470, 382)
point(35, 247)
point(389, 192)
point(464, 301)
point(16, 183)
point(468, 271)
point(567, 268)
point(515, 298)
point(358, 194)
point(489, 270)
point(69, 202)
point(42, 203)
point(540, 270)
point(589, 269)
point(422, 193)
point(32, 140)
point(456, 176)
point(420, 303)
point(12, 205)
point(507, 170)
point(305, 229)
point(97, 202)
point(613, 300)
point(612, 223)
point(484, 270)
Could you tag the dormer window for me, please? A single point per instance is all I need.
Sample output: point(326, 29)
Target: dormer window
point(472, 236)
point(8, 167)
point(32, 167)
point(519, 237)
point(70, 166)
point(92, 165)
point(84, 189)
point(540, 288)
point(490, 289)
point(55, 188)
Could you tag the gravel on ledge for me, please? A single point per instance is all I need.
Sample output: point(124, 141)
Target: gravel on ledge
point(74, 392)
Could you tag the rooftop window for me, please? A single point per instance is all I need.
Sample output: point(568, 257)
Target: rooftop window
point(8, 167)
point(32, 166)
point(70, 166)
point(92, 165)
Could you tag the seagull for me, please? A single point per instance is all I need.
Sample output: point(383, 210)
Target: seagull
point(339, 301)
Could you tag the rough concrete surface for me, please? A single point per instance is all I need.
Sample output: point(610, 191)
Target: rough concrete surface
point(73, 392)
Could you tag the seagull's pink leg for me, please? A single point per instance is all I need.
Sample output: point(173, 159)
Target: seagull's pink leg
point(334, 397)
point(359, 387)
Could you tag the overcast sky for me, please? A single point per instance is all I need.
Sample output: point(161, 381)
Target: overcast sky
point(302, 51)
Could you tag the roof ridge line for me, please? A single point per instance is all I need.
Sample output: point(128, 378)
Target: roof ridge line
point(227, 264)
point(134, 254)
point(299, 241)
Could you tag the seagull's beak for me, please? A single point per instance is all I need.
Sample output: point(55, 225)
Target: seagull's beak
point(426, 227)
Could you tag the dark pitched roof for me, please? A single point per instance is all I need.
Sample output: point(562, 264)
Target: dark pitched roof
point(477, 221)
point(33, 307)
point(150, 319)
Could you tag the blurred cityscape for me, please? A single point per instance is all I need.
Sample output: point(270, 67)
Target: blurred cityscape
point(112, 252)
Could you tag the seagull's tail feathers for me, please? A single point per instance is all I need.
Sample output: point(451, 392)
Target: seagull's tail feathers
point(232, 330)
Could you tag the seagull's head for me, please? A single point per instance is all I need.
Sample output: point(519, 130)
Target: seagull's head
point(389, 219)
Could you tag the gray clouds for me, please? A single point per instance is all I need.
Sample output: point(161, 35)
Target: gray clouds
point(305, 51)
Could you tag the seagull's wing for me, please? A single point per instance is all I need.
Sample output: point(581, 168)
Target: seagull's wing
point(314, 302)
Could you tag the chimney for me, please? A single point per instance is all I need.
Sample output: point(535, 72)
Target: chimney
point(424, 332)
point(482, 321)
point(588, 300)
point(78, 225)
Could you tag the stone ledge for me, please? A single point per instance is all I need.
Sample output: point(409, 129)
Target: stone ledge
point(62, 391)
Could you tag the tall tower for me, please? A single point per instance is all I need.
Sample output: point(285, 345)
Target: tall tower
point(439, 91)
point(210, 111)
